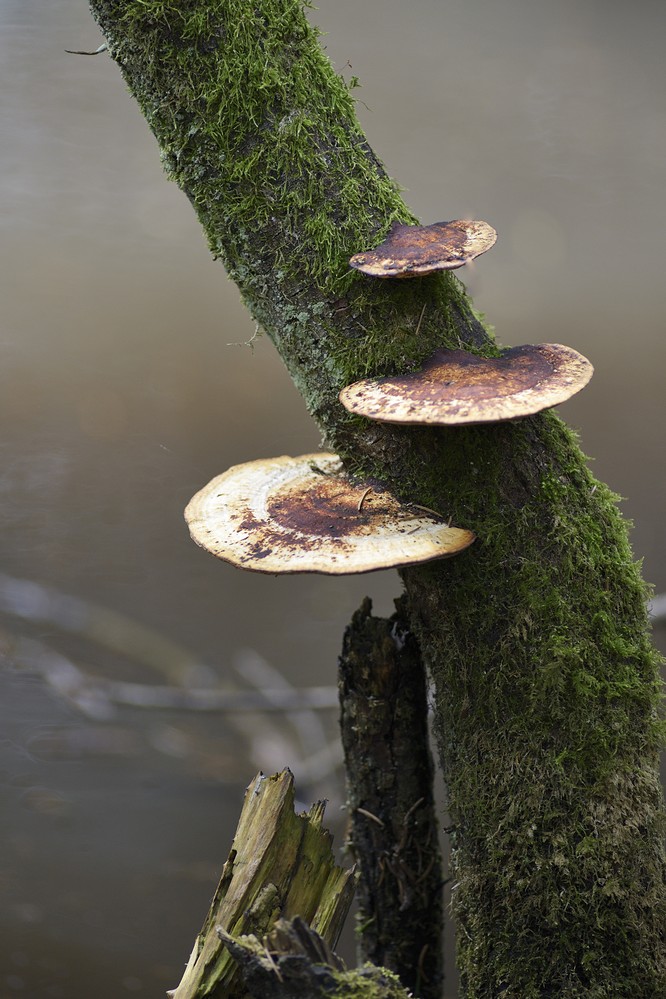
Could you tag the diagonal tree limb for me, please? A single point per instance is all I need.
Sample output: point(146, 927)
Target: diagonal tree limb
point(546, 684)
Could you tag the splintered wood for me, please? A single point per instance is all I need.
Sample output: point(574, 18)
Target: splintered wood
point(280, 865)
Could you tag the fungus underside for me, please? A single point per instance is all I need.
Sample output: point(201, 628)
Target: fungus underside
point(546, 681)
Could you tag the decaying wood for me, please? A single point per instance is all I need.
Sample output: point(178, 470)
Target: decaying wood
point(384, 722)
point(294, 962)
point(280, 865)
point(545, 683)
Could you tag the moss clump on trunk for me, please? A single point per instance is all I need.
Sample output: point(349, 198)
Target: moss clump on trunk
point(546, 692)
point(546, 683)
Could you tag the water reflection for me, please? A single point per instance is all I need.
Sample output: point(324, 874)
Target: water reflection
point(119, 398)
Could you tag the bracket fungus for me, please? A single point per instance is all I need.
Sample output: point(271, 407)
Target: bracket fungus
point(416, 250)
point(285, 515)
point(456, 387)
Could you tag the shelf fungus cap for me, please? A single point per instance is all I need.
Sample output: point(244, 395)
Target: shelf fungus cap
point(284, 515)
point(456, 387)
point(415, 250)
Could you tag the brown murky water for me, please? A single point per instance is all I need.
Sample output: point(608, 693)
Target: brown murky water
point(125, 386)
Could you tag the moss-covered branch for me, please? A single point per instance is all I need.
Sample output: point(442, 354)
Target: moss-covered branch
point(546, 682)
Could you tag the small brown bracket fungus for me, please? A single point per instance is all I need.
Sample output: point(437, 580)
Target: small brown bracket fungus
point(415, 250)
point(283, 515)
point(455, 387)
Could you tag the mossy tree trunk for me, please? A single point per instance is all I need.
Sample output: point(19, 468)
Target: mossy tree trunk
point(536, 637)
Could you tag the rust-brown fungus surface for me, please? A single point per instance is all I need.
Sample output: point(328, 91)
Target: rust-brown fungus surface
point(455, 387)
point(304, 515)
point(414, 250)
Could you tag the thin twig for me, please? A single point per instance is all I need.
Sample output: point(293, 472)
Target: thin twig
point(79, 686)
point(657, 608)
point(362, 499)
point(103, 48)
point(418, 325)
point(370, 815)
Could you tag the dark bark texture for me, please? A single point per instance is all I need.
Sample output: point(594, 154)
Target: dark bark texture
point(546, 684)
point(293, 962)
point(393, 831)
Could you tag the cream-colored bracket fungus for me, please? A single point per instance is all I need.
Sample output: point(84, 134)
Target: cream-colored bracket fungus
point(456, 387)
point(304, 515)
point(416, 250)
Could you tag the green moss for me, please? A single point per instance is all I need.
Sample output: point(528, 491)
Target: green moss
point(254, 122)
point(367, 982)
point(255, 126)
point(547, 705)
point(547, 713)
point(546, 681)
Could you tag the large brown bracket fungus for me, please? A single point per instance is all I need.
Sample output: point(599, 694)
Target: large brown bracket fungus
point(416, 250)
point(456, 387)
point(285, 515)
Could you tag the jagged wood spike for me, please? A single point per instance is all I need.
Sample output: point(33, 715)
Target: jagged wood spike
point(280, 865)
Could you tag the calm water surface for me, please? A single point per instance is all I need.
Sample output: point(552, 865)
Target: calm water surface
point(125, 386)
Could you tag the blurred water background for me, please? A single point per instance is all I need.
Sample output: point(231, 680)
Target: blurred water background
point(125, 386)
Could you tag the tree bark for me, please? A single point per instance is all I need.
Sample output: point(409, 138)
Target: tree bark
point(393, 826)
point(536, 638)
